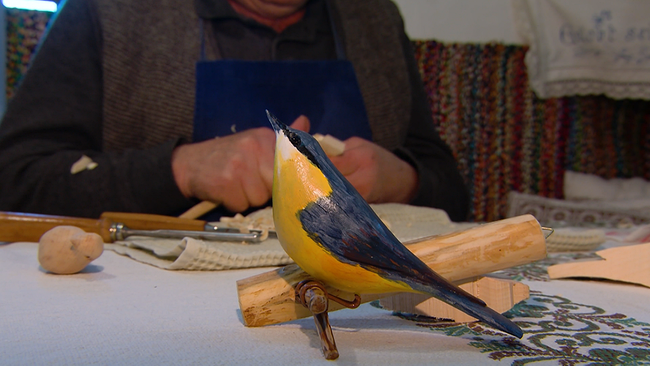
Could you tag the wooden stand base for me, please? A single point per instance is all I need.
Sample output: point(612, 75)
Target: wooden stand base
point(500, 295)
point(626, 264)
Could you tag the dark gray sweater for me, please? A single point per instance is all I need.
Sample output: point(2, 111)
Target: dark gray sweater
point(114, 79)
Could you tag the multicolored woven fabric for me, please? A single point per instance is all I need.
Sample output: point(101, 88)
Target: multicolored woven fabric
point(505, 138)
point(24, 29)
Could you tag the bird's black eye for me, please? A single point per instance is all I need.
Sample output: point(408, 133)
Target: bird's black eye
point(294, 138)
point(297, 142)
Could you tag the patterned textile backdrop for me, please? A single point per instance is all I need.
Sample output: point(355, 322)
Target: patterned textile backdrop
point(24, 29)
point(504, 138)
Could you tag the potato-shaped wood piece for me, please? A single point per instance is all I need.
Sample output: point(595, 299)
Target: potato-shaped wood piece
point(68, 249)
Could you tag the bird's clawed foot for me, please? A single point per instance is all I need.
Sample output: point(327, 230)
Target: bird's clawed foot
point(313, 295)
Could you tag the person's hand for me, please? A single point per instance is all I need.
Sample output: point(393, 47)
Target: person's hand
point(235, 171)
point(376, 173)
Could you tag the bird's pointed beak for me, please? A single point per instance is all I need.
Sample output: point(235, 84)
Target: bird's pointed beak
point(275, 122)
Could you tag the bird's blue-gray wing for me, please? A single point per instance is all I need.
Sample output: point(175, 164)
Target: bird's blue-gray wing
point(347, 227)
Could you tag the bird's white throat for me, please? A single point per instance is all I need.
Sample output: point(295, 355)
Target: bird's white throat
point(284, 147)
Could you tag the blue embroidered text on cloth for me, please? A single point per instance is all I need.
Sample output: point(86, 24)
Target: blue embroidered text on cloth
point(585, 47)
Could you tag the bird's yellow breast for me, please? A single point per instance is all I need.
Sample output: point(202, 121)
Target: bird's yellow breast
point(296, 183)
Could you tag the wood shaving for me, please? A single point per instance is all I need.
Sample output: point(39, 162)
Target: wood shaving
point(261, 221)
point(330, 144)
point(84, 163)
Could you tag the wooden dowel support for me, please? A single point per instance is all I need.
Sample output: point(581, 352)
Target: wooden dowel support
point(327, 342)
point(269, 298)
point(313, 296)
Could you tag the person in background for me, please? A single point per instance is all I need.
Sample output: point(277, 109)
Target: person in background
point(168, 98)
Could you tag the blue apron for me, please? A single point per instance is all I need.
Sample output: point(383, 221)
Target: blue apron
point(232, 96)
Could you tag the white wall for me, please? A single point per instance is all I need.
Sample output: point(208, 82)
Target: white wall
point(459, 20)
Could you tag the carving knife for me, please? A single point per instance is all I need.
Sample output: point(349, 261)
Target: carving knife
point(112, 226)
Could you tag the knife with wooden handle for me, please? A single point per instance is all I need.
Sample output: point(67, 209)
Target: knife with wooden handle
point(16, 226)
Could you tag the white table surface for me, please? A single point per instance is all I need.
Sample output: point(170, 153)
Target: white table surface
point(123, 312)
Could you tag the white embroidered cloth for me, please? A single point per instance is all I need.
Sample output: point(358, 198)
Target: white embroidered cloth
point(632, 193)
point(581, 47)
point(563, 213)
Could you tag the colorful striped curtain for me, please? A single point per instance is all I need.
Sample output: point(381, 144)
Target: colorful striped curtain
point(506, 139)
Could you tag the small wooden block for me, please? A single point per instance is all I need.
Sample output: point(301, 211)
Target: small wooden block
point(500, 295)
point(626, 264)
point(330, 144)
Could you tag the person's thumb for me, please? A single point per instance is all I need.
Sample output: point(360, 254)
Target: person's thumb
point(301, 123)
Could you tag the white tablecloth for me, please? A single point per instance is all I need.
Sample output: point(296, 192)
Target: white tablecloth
point(123, 312)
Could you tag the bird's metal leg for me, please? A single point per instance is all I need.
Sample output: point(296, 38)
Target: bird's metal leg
point(313, 296)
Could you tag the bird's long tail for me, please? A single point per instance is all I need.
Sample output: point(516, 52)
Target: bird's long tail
point(470, 305)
